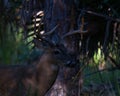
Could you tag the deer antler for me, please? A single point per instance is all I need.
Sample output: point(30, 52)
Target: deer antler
point(41, 37)
point(51, 31)
point(75, 32)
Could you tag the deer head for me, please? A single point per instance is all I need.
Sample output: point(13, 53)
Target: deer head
point(37, 77)
point(56, 46)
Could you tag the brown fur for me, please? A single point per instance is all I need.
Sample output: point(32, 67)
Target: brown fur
point(18, 80)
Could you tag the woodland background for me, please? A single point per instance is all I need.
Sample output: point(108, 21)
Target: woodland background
point(98, 51)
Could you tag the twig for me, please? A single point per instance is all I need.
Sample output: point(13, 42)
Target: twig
point(101, 15)
point(106, 69)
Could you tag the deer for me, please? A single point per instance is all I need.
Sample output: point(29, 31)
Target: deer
point(37, 78)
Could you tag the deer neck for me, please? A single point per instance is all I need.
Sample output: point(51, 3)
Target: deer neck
point(47, 71)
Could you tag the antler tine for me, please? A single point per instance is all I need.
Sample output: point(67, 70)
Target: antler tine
point(47, 40)
point(51, 31)
point(42, 37)
point(75, 32)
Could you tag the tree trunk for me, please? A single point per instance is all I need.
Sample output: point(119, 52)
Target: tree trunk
point(62, 13)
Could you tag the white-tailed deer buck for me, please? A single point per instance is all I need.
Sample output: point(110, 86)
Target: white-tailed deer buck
point(37, 78)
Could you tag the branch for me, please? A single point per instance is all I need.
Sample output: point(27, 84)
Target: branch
point(101, 15)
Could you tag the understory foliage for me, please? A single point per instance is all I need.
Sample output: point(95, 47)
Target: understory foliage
point(13, 49)
point(101, 69)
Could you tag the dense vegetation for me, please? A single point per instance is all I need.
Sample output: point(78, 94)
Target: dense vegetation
point(100, 67)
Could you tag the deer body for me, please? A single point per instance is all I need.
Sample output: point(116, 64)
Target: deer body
point(29, 79)
point(37, 78)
